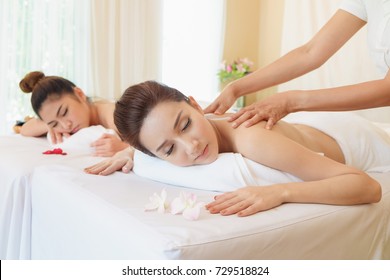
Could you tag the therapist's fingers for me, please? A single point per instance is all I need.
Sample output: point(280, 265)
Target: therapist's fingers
point(211, 108)
point(254, 119)
point(270, 123)
point(216, 108)
point(237, 114)
point(244, 117)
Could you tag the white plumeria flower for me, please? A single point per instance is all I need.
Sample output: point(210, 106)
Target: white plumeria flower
point(157, 202)
point(186, 204)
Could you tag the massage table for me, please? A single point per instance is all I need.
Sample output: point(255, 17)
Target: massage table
point(80, 216)
point(19, 156)
point(51, 209)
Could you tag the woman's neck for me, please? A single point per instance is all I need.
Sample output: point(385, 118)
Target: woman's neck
point(222, 129)
point(94, 116)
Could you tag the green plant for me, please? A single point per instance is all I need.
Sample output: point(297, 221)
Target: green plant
point(235, 70)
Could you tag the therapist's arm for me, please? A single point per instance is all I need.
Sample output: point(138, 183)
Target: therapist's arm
point(365, 95)
point(332, 36)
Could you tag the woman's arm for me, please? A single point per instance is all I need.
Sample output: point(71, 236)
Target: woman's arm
point(325, 181)
point(122, 160)
point(335, 33)
point(352, 97)
point(34, 127)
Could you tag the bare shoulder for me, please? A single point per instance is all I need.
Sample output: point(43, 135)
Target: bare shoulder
point(105, 110)
point(248, 139)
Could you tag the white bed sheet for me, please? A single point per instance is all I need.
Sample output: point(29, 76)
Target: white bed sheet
point(63, 210)
point(18, 157)
point(81, 216)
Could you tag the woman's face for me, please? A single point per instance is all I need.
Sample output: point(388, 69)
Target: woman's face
point(68, 114)
point(179, 134)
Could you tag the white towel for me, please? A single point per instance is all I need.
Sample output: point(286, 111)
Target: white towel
point(80, 142)
point(365, 146)
point(229, 172)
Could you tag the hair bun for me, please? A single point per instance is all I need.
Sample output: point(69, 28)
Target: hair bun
point(28, 83)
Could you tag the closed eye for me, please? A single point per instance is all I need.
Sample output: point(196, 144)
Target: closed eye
point(187, 124)
point(65, 112)
point(169, 152)
point(171, 149)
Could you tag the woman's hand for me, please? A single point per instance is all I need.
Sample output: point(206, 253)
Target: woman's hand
point(271, 109)
point(107, 145)
point(223, 102)
point(247, 201)
point(55, 136)
point(122, 160)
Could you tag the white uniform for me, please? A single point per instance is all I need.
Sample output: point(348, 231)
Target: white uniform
point(377, 15)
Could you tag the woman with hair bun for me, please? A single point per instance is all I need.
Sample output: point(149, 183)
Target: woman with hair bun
point(63, 109)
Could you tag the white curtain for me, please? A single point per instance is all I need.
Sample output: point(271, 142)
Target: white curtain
point(351, 64)
point(126, 44)
point(104, 46)
point(44, 35)
point(192, 46)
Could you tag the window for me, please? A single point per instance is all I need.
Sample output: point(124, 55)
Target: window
point(47, 35)
point(192, 46)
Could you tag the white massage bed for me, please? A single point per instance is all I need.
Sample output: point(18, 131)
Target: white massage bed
point(87, 217)
point(51, 209)
point(18, 157)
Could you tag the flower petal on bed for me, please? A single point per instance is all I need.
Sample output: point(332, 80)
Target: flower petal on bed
point(177, 206)
point(193, 212)
point(186, 204)
point(157, 202)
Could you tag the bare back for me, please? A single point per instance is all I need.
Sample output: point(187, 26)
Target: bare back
point(309, 137)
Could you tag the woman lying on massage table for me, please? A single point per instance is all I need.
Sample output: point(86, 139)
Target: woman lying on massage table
point(63, 109)
point(162, 122)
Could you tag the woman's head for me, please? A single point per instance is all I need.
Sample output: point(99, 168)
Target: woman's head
point(57, 101)
point(161, 121)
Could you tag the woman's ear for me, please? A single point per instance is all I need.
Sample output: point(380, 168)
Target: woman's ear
point(80, 94)
point(195, 104)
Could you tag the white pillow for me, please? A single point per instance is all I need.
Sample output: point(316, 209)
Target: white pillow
point(229, 172)
point(82, 139)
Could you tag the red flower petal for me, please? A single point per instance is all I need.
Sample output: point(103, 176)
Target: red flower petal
point(56, 151)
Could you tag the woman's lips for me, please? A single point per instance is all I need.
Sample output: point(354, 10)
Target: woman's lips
point(204, 154)
point(74, 130)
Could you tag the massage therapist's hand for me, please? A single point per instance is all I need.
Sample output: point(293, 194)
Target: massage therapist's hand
point(271, 109)
point(122, 160)
point(107, 145)
point(247, 201)
point(222, 103)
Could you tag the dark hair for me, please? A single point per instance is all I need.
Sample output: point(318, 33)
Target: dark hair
point(134, 106)
point(43, 87)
